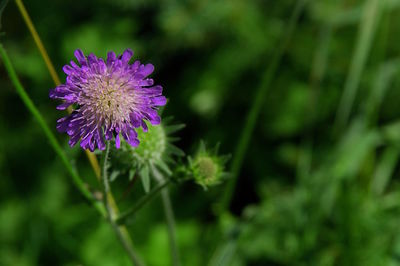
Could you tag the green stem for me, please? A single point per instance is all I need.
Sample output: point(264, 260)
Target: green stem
point(259, 98)
point(169, 216)
point(104, 176)
point(120, 231)
point(142, 201)
point(50, 136)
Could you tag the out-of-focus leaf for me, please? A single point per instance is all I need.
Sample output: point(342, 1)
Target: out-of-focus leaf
point(144, 173)
point(384, 170)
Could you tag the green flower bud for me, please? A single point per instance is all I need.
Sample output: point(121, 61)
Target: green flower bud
point(207, 168)
point(153, 144)
point(155, 152)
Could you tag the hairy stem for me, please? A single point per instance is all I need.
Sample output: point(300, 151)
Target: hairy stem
point(50, 136)
point(169, 216)
point(120, 231)
point(142, 201)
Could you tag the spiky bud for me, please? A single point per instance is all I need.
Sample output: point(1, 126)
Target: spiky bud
point(207, 167)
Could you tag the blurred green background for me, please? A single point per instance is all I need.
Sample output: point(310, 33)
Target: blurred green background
point(320, 180)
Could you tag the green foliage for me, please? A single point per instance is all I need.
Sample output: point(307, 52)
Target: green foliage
point(319, 183)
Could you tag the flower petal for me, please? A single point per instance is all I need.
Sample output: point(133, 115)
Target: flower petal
point(80, 57)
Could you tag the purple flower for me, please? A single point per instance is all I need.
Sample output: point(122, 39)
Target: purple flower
point(111, 98)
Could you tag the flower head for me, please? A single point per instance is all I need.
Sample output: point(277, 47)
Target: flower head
point(207, 167)
point(112, 97)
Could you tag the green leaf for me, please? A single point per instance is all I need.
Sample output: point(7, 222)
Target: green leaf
point(175, 150)
point(174, 128)
point(145, 178)
point(131, 174)
point(164, 167)
point(384, 170)
point(114, 175)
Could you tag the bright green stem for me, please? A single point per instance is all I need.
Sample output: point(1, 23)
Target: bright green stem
point(52, 139)
point(169, 216)
point(142, 201)
point(120, 231)
point(368, 23)
point(259, 98)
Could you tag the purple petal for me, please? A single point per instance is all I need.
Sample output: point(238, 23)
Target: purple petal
point(92, 59)
point(159, 101)
point(156, 90)
point(130, 136)
point(146, 82)
point(126, 56)
point(155, 120)
point(62, 124)
point(135, 65)
point(85, 140)
point(91, 144)
point(146, 70)
point(102, 66)
point(144, 126)
point(54, 94)
point(109, 134)
point(59, 92)
point(135, 120)
point(63, 106)
point(111, 57)
point(117, 141)
point(99, 138)
point(68, 69)
point(73, 140)
point(80, 57)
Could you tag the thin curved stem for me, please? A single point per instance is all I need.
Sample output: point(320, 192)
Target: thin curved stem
point(104, 176)
point(142, 201)
point(50, 136)
point(252, 115)
point(120, 231)
point(169, 217)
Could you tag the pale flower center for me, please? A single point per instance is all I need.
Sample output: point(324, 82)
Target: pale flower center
point(107, 100)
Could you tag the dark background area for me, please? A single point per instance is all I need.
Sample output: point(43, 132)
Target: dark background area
point(311, 191)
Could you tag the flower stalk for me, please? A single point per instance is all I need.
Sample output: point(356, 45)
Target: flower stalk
point(170, 219)
point(120, 231)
